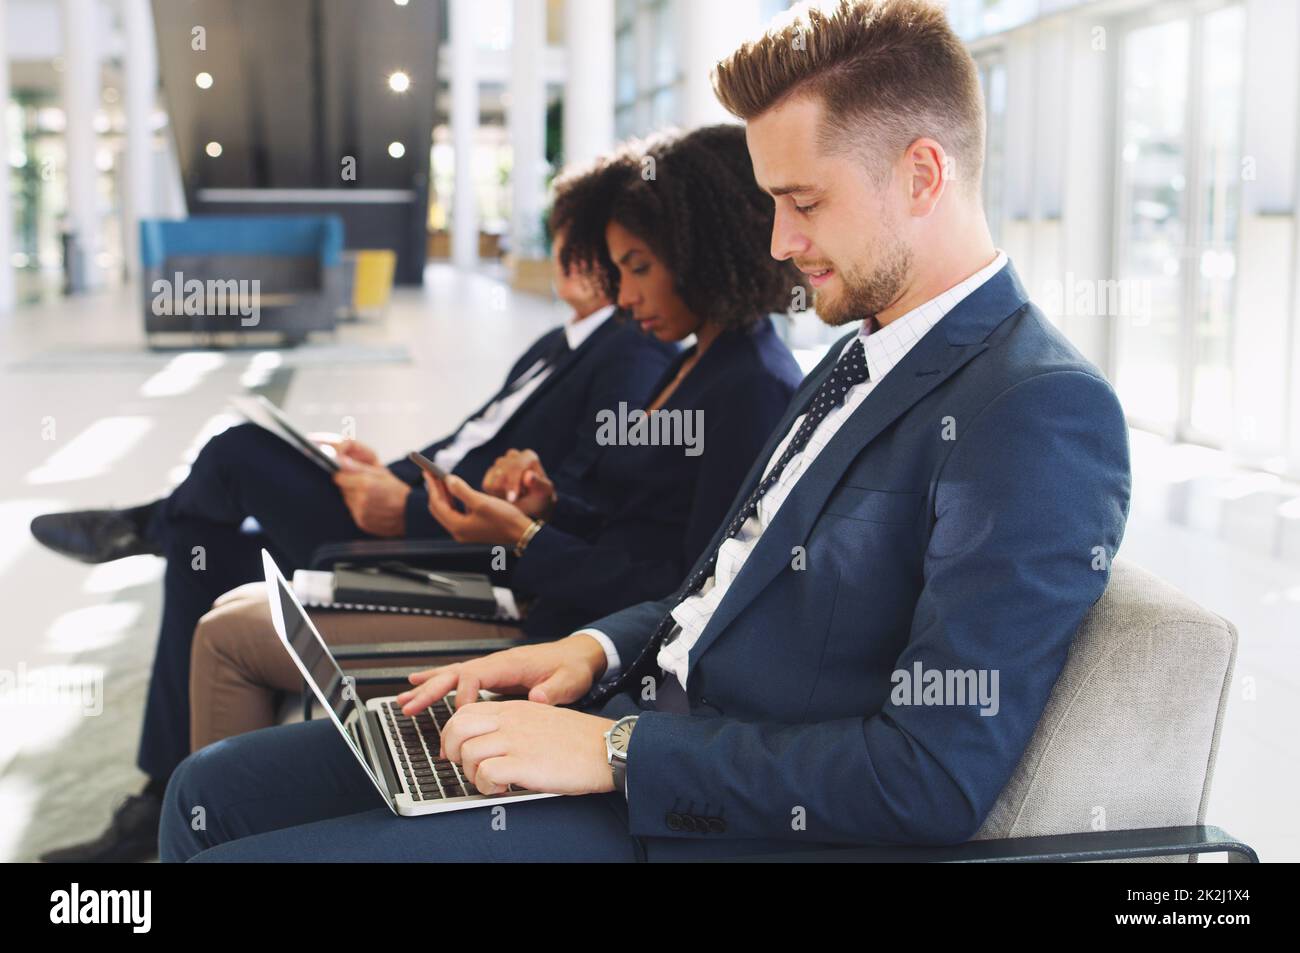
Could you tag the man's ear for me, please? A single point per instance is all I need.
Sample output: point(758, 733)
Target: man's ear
point(928, 170)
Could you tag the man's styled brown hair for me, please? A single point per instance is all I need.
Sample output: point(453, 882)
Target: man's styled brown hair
point(888, 72)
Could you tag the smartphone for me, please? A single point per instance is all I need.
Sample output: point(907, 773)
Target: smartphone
point(427, 465)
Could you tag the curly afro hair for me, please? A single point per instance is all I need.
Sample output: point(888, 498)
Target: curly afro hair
point(693, 200)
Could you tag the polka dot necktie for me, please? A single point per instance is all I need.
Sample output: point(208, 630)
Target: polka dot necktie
point(849, 371)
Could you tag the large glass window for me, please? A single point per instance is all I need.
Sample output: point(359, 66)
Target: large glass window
point(646, 68)
point(1153, 219)
point(975, 18)
point(1179, 204)
point(625, 65)
point(993, 79)
point(1217, 199)
point(38, 186)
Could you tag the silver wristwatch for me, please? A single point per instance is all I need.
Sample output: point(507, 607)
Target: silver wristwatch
point(617, 740)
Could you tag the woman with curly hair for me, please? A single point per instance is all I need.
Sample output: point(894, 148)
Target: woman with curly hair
point(675, 228)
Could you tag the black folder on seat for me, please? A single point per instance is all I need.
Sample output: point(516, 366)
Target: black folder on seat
point(469, 593)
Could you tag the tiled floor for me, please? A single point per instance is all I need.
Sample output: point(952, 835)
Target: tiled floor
point(91, 418)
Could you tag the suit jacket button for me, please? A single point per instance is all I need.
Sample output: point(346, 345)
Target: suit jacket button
point(717, 825)
point(674, 822)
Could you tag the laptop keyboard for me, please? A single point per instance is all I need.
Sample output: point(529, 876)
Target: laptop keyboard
point(419, 742)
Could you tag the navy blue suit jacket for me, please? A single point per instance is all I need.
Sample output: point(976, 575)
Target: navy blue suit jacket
point(647, 512)
point(557, 420)
point(963, 518)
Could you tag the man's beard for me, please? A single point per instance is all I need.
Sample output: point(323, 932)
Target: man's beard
point(865, 296)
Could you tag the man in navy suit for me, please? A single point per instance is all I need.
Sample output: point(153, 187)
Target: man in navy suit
point(549, 402)
point(868, 642)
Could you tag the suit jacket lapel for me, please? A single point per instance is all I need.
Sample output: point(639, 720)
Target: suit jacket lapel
point(542, 346)
point(567, 361)
point(528, 359)
point(959, 337)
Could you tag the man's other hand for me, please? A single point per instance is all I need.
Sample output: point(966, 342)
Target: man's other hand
point(550, 673)
point(374, 496)
point(353, 449)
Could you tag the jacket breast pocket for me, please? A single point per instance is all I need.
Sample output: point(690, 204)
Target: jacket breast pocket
point(874, 506)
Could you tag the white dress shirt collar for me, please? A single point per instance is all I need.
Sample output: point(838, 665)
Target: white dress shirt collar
point(577, 330)
point(887, 346)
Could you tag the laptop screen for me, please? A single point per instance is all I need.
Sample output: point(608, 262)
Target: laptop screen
point(311, 651)
point(315, 662)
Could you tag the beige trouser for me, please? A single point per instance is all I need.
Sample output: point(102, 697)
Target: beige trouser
point(239, 669)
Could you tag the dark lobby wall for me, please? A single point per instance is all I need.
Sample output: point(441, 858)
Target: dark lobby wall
point(298, 85)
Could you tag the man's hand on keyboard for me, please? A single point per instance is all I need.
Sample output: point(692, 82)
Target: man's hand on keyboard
point(553, 673)
point(537, 747)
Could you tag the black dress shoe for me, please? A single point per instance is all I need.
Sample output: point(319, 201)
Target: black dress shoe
point(132, 836)
point(92, 536)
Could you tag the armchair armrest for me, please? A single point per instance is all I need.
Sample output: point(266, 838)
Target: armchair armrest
point(431, 554)
point(1056, 848)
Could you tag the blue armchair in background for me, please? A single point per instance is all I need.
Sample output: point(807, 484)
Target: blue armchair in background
point(238, 274)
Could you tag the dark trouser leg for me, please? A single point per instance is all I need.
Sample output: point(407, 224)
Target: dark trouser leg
point(295, 792)
point(247, 471)
point(203, 561)
point(244, 471)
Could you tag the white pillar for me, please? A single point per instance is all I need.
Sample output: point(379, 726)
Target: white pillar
point(710, 31)
point(6, 209)
point(141, 95)
point(589, 82)
point(527, 119)
point(464, 125)
point(81, 26)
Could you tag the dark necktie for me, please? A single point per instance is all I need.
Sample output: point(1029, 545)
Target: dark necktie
point(849, 371)
point(552, 355)
point(558, 350)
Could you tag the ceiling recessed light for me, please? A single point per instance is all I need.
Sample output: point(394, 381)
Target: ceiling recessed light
point(401, 3)
point(213, 149)
point(399, 82)
point(396, 150)
point(203, 80)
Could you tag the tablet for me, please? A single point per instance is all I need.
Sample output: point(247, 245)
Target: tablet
point(270, 417)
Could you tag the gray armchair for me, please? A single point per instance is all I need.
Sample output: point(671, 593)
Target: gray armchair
point(1128, 740)
point(1131, 730)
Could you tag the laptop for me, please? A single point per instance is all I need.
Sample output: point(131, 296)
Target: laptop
point(396, 751)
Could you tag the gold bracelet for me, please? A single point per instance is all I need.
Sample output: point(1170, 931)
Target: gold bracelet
point(527, 536)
